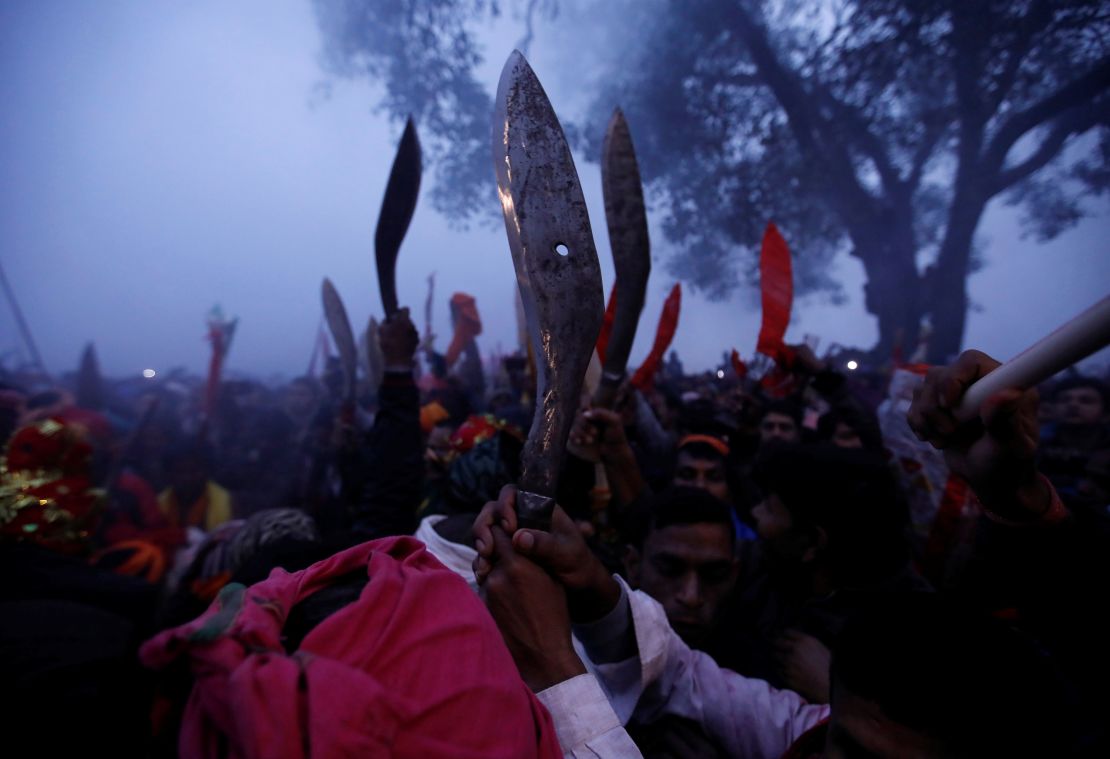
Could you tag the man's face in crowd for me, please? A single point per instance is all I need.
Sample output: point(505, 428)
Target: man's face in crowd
point(689, 569)
point(703, 474)
point(1080, 406)
point(776, 426)
point(858, 729)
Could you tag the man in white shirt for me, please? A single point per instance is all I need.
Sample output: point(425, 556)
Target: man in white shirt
point(643, 667)
point(918, 679)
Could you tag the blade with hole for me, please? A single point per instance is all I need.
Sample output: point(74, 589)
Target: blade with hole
point(556, 266)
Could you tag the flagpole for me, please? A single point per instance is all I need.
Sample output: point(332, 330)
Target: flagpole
point(21, 322)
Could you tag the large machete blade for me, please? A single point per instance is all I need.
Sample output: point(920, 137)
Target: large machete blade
point(628, 237)
point(556, 269)
point(397, 208)
point(341, 333)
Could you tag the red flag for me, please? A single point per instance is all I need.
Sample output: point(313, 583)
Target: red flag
point(607, 324)
point(468, 325)
point(664, 334)
point(776, 283)
point(739, 366)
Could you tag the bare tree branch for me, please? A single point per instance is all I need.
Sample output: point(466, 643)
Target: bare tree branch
point(1075, 93)
point(865, 139)
point(1036, 20)
point(529, 29)
point(807, 126)
point(934, 131)
point(1076, 122)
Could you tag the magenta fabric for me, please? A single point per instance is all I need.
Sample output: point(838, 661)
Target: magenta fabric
point(414, 668)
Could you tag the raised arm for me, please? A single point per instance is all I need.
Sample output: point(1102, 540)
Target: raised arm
point(644, 667)
point(392, 454)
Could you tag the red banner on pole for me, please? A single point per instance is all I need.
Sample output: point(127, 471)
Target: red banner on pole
point(776, 284)
point(664, 334)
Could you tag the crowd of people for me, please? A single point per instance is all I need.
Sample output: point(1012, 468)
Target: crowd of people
point(817, 562)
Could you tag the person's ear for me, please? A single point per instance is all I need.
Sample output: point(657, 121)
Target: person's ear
point(818, 540)
point(632, 564)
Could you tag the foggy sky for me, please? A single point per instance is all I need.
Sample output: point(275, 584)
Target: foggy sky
point(162, 157)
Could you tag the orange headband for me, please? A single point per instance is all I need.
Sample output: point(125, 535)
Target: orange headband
point(715, 443)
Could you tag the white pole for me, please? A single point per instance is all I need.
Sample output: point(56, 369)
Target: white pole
point(1072, 342)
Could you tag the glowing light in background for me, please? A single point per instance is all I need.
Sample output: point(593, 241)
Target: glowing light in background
point(720, 374)
point(149, 373)
point(852, 366)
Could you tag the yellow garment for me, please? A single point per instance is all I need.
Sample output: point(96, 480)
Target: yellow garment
point(209, 511)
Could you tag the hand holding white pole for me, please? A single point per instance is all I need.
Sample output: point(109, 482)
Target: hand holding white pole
point(1072, 342)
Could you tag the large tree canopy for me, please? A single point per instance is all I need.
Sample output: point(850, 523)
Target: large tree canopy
point(423, 54)
point(880, 127)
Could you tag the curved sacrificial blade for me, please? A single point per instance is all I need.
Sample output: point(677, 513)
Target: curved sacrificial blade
point(628, 238)
point(340, 327)
point(556, 268)
point(397, 209)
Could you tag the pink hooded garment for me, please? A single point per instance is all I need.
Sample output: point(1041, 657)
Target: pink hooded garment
point(414, 668)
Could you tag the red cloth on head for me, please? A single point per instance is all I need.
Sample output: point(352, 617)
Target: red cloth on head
point(415, 668)
point(479, 428)
point(476, 429)
point(46, 493)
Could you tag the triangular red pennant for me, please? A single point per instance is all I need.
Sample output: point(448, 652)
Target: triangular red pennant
point(776, 284)
point(664, 334)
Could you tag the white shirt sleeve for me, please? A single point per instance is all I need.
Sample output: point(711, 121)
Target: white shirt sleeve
point(663, 676)
point(586, 724)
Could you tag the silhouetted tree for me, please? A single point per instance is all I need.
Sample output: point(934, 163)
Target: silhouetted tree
point(884, 125)
point(423, 54)
point(880, 127)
